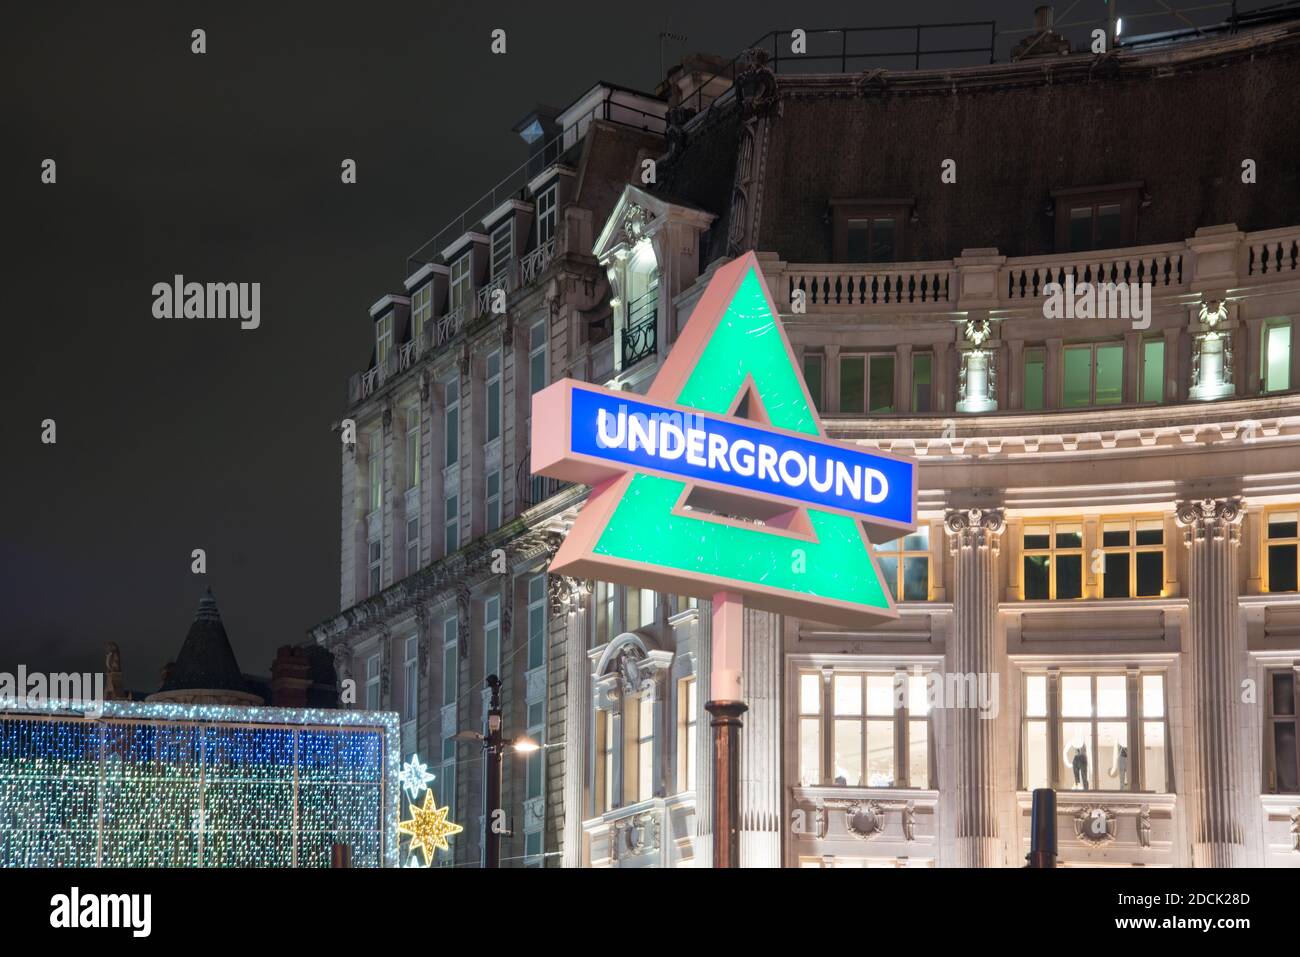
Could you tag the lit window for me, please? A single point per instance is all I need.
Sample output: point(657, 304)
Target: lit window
point(905, 565)
point(460, 284)
point(1094, 374)
point(1153, 370)
point(1053, 561)
point(492, 500)
point(421, 310)
point(606, 621)
point(814, 365)
point(492, 636)
point(1133, 552)
point(645, 748)
point(687, 730)
point(451, 525)
point(493, 396)
point(1275, 354)
point(451, 422)
point(810, 729)
point(536, 621)
point(1282, 544)
point(1283, 761)
point(867, 383)
point(1035, 366)
point(546, 215)
point(372, 683)
point(383, 338)
point(1094, 730)
point(502, 251)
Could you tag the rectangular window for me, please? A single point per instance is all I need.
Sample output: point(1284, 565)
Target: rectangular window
point(446, 782)
point(502, 250)
point(536, 621)
point(533, 767)
point(607, 744)
point(872, 240)
point(1153, 370)
point(493, 411)
point(492, 500)
point(383, 338)
point(547, 215)
point(1034, 743)
point(451, 524)
point(412, 544)
point(421, 310)
point(1096, 226)
point(372, 682)
point(810, 729)
point(536, 357)
point(645, 610)
point(1053, 561)
point(1282, 544)
point(460, 284)
point(645, 748)
point(922, 382)
point(1133, 557)
point(867, 383)
point(375, 470)
point(374, 564)
point(814, 364)
point(687, 730)
point(451, 423)
point(1093, 374)
point(878, 730)
point(450, 661)
point(492, 636)
point(606, 620)
point(1035, 366)
point(905, 565)
point(411, 680)
point(413, 447)
point(1275, 375)
point(1284, 758)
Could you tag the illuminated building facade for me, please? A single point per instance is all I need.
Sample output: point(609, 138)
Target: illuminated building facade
point(1103, 584)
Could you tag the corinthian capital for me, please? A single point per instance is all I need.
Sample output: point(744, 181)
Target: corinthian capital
point(973, 527)
point(1210, 518)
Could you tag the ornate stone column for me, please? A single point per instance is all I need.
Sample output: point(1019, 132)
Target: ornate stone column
point(568, 600)
point(760, 748)
point(1212, 534)
point(973, 539)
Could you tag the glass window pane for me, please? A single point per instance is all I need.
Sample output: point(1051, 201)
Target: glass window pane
point(1036, 696)
point(858, 235)
point(889, 571)
point(1080, 228)
point(1282, 568)
point(1036, 577)
point(918, 763)
point(1150, 573)
point(1037, 536)
point(1112, 696)
point(1077, 389)
point(810, 750)
point(1033, 392)
point(1036, 755)
point(1284, 757)
point(1069, 536)
point(880, 754)
point(918, 695)
point(812, 375)
point(1150, 531)
point(1110, 374)
point(1069, 576)
point(917, 541)
point(848, 694)
point(880, 694)
point(1153, 756)
point(1153, 370)
point(848, 753)
point(916, 578)
point(882, 240)
point(1108, 226)
point(1076, 696)
point(1115, 575)
point(1283, 693)
point(922, 363)
point(1153, 696)
point(1076, 756)
point(1282, 525)
point(852, 383)
point(1115, 534)
point(882, 384)
point(1112, 746)
point(810, 694)
point(1277, 358)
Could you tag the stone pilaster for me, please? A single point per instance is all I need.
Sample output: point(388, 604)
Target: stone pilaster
point(760, 749)
point(973, 538)
point(703, 739)
point(568, 599)
point(1212, 532)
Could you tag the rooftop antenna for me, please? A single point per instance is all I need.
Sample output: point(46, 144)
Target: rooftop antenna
point(666, 34)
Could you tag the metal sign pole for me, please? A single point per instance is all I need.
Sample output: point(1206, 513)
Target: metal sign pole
point(726, 704)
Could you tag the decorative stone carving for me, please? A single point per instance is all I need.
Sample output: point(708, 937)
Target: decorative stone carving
point(1212, 373)
point(1094, 825)
point(973, 527)
point(864, 819)
point(464, 603)
point(423, 639)
point(1210, 518)
point(342, 665)
point(566, 594)
point(635, 836)
point(424, 387)
point(636, 224)
point(675, 121)
point(388, 414)
point(909, 821)
point(1144, 825)
point(756, 83)
point(1295, 830)
point(977, 377)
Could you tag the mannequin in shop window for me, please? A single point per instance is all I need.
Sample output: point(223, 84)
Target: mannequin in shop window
point(1076, 757)
point(1119, 765)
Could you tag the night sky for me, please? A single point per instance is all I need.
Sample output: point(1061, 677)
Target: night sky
point(182, 434)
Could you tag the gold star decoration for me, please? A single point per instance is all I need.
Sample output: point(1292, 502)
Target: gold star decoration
point(429, 828)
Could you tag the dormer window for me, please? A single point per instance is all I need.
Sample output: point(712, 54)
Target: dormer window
point(421, 310)
point(502, 251)
point(461, 283)
point(870, 231)
point(1096, 218)
point(383, 338)
point(547, 214)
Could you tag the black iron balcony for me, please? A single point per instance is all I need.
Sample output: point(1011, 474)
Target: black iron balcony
point(639, 339)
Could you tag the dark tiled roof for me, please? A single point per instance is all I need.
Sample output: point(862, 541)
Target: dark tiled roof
point(206, 659)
